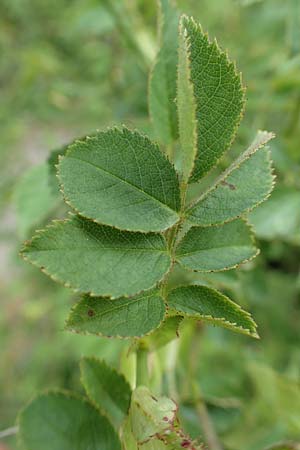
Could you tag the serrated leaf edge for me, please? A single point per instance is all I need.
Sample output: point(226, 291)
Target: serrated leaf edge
point(160, 24)
point(87, 390)
point(94, 137)
point(235, 266)
point(223, 177)
point(230, 64)
point(223, 321)
point(187, 44)
point(66, 284)
point(88, 333)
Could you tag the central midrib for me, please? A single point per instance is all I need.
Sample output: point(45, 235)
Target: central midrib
point(124, 305)
point(101, 248)
point(126, 182)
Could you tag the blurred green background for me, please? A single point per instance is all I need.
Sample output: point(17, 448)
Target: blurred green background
point(68, 67)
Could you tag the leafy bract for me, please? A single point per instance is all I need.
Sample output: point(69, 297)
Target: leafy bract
point(218, 247)
point(150, 415)
point(120, 178)
point(98, 259)
point(162, 83)
point(153, 424)
point(107, 388)
point(186, 110)
point(202, 302)
point(57, 421)
point(122, 317)
point(245, 184)
point(219, 97)
point(130, 443)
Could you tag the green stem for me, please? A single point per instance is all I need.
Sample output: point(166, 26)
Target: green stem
point(142, 376)
point(171, 360)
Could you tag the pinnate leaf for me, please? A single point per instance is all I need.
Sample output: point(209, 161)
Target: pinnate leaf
point(219, 97)
point(120, 178)
point(107, 388)
point(98, 259)
point(57, 421)
point(202, 302)
point(245, 184)
point(122, 317)
point(162, 84)
point(218, 247)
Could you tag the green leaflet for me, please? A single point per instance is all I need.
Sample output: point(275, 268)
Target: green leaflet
point(120, 178)
point(150, 415)
point(33, 199)
point(215, 248)
point(202, 302)
point(219, 97)
point(162, 83)
point(123, 317)
point(107, 388)
point(97, 259)
point(245, 184)
point(57, 421)
point(186, 110)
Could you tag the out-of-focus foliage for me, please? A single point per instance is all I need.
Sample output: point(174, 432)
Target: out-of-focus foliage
point(71, 66)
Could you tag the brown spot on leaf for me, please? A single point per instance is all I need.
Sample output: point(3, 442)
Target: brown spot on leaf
point(91, 312)
point(231, 186)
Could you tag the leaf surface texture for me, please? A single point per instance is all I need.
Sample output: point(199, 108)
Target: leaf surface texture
point(120, 178)
point(216, 248)
point(122, 317)
point(98, 259)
